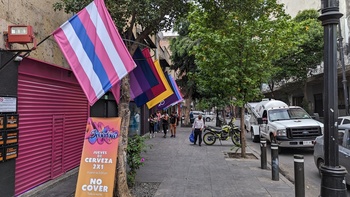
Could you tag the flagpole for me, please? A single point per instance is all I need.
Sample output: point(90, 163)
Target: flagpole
point(20, 51)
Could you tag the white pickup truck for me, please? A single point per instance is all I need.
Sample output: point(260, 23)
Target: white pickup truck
point(289, 126)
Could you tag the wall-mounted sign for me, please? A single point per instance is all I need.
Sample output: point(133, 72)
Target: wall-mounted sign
point(11, 121)
point(11, 152)
point(2, 121)
point(8, 104)
point(2, 137)
point(11, 137)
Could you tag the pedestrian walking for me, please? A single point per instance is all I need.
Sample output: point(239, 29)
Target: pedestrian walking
point(198, 127)
point(151, 122)
point(165, 123)
point(191, 117)
point(158, 123)
point(137, 121)
point(173, 123)
point(156, 120)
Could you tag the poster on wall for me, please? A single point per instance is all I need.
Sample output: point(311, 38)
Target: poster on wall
point(2, 121)
point(11, 152)
point(11, 121)
point(8, 104)
point(11, 137)
point(99, 158)
point(2, 154)
point(2, 137)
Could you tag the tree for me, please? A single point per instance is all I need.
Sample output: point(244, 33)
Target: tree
point(184, 64)
point(298, 62)
point(151, 16)
point(237, 46)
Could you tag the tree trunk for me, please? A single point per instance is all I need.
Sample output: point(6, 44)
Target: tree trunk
point(243, 140)
point(306, 105)
point(187, 110)
point(121, 186)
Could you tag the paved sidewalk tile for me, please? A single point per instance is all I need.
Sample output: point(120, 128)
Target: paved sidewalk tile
point(186, 170)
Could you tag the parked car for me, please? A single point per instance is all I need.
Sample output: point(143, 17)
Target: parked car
point(196, 113)
point(344, 149)
point(209, 116)
point(343, 120)
point(206, 116)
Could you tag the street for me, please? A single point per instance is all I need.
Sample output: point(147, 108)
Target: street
point(286, 158)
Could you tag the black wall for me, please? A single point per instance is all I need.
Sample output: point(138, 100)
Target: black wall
point(105, 107)
point(8, 87)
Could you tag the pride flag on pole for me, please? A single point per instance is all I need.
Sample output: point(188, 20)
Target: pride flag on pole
point(94, 49)
point(155, 90)
point(174, 98)
point(142, 78)
point(168, 91)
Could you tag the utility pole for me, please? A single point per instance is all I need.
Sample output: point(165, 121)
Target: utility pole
point(333, 176)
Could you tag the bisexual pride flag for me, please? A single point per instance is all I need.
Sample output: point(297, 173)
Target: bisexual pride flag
point(94, 50)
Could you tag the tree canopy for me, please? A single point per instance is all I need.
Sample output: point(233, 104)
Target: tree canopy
point(298, 62)
point(236, 47)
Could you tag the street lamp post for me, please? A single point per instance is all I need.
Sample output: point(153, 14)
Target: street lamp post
point(333, 176)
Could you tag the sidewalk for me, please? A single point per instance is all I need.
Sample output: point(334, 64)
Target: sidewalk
point(185, 170)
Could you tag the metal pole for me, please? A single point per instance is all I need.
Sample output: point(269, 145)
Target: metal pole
point(341, 56)
point(20, 51)
point(299, 176)
point(274, 162)
point(263, 155)
point(333, 175)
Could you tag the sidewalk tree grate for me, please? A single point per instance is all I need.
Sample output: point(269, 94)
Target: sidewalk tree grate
point(234, 155)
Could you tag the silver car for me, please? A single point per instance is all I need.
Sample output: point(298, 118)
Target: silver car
point(344, 149)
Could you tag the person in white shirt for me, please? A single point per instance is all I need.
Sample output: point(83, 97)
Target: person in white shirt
point(198, 127)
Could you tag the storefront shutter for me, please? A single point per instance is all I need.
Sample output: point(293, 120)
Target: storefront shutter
point(53, 111)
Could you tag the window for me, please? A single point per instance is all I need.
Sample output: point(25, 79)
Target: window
point(339, 121)
point(278, 114)
point(346, 121)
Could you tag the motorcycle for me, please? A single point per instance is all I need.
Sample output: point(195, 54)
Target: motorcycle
point(226, 132)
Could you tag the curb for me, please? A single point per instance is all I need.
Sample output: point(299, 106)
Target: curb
point(285, 178)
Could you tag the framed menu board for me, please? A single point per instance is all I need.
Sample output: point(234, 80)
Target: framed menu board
point(11, 137)
point(2, 156)
point(2, 121)
point(2, 137)
point(11, 121)
point(11, 152)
